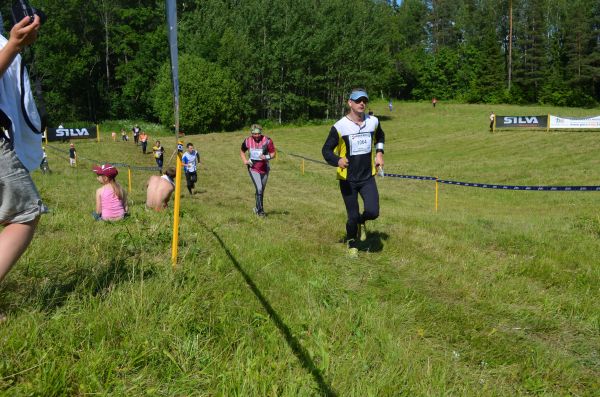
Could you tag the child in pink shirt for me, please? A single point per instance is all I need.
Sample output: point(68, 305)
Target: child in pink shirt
point(111, 199)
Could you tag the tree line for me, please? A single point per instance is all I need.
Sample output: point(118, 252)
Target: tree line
point(284, 60)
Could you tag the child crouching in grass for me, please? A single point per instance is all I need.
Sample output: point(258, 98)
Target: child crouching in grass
point(111, 199)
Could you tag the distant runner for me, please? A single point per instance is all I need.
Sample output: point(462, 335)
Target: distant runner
point(159, 152)
point(136, 134)
point(44, 164)
point(144, 141)
point(349, 147)
point(261, 150)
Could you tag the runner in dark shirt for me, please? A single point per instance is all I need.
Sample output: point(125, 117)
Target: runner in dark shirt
point(349, 147)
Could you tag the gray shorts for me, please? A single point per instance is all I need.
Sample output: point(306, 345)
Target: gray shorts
point(19, 199)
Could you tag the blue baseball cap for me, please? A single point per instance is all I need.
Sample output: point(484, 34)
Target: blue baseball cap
point(356, 94)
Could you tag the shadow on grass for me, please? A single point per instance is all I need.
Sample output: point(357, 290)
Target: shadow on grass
point(53, 291)
point(374, 242)
point(84, 281)
point(291, 340)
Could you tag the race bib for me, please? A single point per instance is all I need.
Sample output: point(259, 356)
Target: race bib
point(255, 154)
point(360, 143)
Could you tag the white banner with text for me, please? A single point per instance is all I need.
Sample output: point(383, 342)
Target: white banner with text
point(576, 123)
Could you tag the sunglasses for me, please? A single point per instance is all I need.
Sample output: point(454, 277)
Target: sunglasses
point(361, 99)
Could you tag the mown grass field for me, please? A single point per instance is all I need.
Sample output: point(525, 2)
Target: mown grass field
point(495, 294)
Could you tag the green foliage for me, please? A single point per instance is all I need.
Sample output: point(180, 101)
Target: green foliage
point(142, 47)
point(65, 56)
point(297, 60)
point(210, 98)
point(557, 92)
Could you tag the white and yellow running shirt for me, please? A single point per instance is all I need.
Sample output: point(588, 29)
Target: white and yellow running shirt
point(355, 142)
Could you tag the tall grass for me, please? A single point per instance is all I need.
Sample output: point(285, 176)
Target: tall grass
point(495, 294)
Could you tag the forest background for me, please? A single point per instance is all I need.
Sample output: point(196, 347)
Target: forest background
point(296, 60)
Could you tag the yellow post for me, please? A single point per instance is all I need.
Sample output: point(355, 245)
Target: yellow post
point(46, 135)
point(129, 180)
point(437, 191)
point(97, 132)
point(175, 243)
point(494, 126)
point(302, 167)
point(548, 123)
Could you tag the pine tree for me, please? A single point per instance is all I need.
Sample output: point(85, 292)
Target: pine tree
point(529, 48)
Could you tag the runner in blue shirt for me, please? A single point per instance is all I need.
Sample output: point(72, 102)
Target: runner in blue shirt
point(191, 160)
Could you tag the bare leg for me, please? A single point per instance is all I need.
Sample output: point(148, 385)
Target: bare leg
point(14, 240)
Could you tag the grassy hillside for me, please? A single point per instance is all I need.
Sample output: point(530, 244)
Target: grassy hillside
point(495, 294)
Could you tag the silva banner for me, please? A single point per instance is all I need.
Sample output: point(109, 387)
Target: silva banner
point(522, 121)
point(61, 134)
point(575, 123)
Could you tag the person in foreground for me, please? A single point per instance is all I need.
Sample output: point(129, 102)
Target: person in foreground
point(20, 149)
point(159, 190)
point(111, 199)
point(262, 150)
point(349, 147)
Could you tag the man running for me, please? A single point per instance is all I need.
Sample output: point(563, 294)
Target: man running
point(144, 141)
point(191, 160)
point(261, 151)
point(136, 134)
point(349, 147)
point(159, 152)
